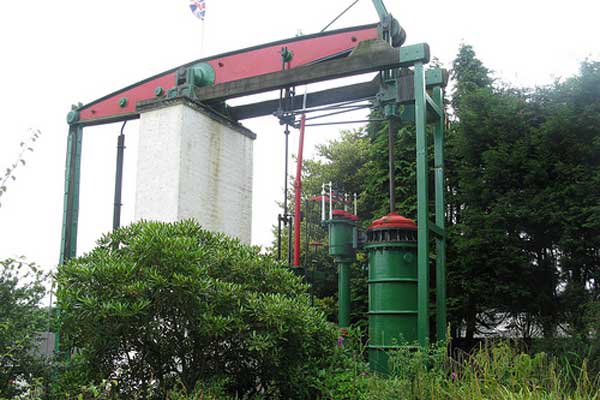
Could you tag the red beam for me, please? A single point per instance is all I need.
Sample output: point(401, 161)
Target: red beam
point(233, 66)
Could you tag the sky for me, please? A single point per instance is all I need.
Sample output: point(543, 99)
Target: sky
point(55, 54)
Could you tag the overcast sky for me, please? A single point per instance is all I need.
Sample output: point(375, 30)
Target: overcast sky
point(58, 53)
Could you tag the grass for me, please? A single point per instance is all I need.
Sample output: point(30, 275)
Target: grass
point(493, 372)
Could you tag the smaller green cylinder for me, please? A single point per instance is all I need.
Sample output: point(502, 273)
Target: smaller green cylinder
point(342, 246)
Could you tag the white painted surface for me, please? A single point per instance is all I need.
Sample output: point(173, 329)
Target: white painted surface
point(193, 166)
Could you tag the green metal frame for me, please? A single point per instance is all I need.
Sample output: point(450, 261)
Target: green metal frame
point(421, 108)
point(68, 244)
point(423, 104)
point(71, 197)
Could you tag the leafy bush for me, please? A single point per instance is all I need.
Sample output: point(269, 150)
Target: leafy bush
point(158, 306)
point(21, 320)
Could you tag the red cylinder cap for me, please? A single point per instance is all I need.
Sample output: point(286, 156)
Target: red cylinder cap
point(344, 214)
point(393, 220)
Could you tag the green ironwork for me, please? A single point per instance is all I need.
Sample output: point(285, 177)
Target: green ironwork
point(190, 78)
point(286, 55)
point(382, 12)
point(68, 247)
point(201, 74)
point(392, 293)
point(404, 93)
point(159, 91)
point(440, 241)
point(71, 195)
point(344, 297)
point(122, 102)
point(422, 206)
point(72, 117)
point(414, 54)
point(342, 240)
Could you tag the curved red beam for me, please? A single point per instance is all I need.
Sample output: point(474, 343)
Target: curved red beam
point(231, 66)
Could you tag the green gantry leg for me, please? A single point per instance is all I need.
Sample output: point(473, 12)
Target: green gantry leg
point(422, 205)
point(68, 246)
point(440, 275)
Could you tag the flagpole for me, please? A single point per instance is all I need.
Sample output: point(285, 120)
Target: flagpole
point(202, 39)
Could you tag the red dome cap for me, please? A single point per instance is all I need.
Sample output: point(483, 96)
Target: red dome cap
point(344, 214)
point(393, 220)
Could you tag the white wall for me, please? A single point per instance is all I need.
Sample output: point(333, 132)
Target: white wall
point(192, 164)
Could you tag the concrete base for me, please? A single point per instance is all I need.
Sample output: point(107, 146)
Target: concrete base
point(194, 164)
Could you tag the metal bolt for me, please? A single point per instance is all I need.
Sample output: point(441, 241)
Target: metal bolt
point(122, 102)
point(158, 91)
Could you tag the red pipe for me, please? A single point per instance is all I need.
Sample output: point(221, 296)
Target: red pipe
point(297, 193)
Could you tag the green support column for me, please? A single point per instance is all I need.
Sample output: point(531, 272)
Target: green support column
point(71, 196)
point(440, 274)
point(344, 298)
point(422, 206)
point(68, 247)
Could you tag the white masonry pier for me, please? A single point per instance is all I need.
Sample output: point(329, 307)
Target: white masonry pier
point(194, 163)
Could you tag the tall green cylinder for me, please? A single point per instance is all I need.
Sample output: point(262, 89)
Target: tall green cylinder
point(392, 252)
point(342, 246)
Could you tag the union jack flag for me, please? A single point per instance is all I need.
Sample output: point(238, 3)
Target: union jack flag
point(198, 7)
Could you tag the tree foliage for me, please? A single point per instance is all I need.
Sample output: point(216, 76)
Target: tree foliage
point(523, 195)
point(156, 305)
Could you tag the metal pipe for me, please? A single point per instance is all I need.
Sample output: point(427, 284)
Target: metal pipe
point(339, 15)
point(343, 111)
point(279, 237)
point(285, 183)
point(298, 192)
point(323, 202)
point(392, 128)
point(355, 205)
point(119, 179)
point(344, 294)
point(360, 121)
point(330, 201)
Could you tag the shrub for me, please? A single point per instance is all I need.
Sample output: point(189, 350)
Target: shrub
point(157, 306)
point(21, 320)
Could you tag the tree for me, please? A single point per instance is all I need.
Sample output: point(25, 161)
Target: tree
point(156, 305)
point(21, 320)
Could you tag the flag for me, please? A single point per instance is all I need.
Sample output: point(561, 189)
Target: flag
point(198, 7)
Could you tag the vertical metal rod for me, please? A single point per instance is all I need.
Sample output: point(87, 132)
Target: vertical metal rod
point(285, 182)
point(322, 202)
point(330, 200)
point(291, 222)
point(298, 193)
point(440, 272)
point(355, 204)
point(422, 207)
point(119, 179)
point(279, 237)
point(392, 128)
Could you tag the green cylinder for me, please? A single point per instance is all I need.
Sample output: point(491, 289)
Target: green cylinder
point(341, 237)
point(392, 252)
